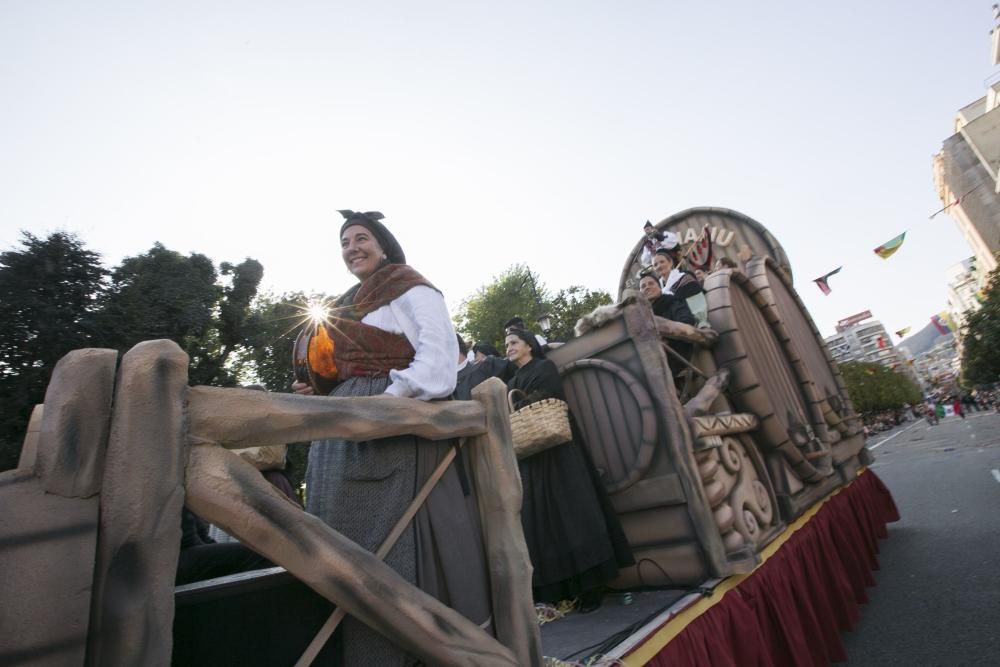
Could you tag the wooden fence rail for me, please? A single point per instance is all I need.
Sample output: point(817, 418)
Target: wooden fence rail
point(126, 452)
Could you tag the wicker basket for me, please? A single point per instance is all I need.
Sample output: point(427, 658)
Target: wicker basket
point(538, 426)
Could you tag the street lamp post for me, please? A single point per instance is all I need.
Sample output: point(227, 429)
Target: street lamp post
point(544, 321)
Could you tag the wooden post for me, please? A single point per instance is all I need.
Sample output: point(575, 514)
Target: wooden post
point(70, 459)
point(498, 489)
point(29, 449)
point(141, 501)
point(227, 491)
point(48, 525)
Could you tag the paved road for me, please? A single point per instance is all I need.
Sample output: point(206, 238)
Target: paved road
point(937, 600)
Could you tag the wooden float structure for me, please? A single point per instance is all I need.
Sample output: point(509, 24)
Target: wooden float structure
point(704, 477)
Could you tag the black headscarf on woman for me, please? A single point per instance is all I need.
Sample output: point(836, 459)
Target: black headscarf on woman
point(673, 254)
point(370, 221)
point(536, 350)
point(486, 348)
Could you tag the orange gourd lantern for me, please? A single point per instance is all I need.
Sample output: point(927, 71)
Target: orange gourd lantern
point(312, 359)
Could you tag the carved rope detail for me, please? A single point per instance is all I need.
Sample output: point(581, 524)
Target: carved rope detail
point(707, 425)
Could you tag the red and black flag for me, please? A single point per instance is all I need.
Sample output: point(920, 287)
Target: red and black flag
point(700, 254)
point(822, 283)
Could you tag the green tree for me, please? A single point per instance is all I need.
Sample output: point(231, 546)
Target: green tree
point(981, 338)
point(232, 330)
point(876, 387)
point(569, 305)
point(518, 291)
point(49, 289)
point(164, 294)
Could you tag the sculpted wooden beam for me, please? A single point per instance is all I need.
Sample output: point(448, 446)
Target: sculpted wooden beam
point(229, 492)
point(237, 418)
point(680, 331)
point(702, 402)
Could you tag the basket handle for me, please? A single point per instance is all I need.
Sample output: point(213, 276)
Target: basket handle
point(511, 399)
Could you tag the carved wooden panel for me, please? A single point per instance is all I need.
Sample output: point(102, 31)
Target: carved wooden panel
point(829, 386)
point(621, 393)
point(769, 378)
point(616, 415)
point(740, 493)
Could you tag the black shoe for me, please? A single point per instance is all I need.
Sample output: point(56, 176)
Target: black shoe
point(591, 601)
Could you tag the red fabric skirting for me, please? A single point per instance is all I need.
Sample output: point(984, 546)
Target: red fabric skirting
point(791, 609)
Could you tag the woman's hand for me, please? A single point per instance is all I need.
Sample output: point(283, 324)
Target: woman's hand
point(302, 388)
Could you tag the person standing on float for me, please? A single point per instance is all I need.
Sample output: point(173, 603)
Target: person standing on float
point(574, 536)
point(393, 336)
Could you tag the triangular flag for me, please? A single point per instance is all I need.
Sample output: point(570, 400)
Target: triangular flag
point(902, 332)
point(700, 254)
point(941, 325)
point(887, 249)
point(822, 283)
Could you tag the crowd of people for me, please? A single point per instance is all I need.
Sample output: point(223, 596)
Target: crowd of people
point(934, 408)
point(885, 420)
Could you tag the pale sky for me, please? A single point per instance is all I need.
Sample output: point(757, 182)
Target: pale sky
point(493, 133)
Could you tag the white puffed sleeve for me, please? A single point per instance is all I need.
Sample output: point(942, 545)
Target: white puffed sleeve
point(423, 316)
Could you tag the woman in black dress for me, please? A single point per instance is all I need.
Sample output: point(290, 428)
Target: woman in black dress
point(575, 540)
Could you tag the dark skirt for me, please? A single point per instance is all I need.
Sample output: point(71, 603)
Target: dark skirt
point(360, 489)
point(574, 537)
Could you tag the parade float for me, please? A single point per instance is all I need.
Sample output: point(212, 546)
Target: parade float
point(742, 490)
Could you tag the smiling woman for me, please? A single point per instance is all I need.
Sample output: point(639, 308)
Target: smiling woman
point(362, 253)
point(392, 335)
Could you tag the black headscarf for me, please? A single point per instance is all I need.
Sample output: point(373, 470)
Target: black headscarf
point(536, 350)
point(671, 253)
point(370, 221)
point(486, 348)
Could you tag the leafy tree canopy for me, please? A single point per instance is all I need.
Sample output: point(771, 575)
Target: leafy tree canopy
point(55, 296)
point(981, 338)
point(164, 294)
point(569, 305)
point(49, 290)
point(519, 291)
point(875, 387)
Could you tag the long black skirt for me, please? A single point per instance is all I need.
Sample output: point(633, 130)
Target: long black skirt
point(574, 537)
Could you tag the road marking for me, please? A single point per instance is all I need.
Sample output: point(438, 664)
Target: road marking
point(882, 442)
point(996, 475)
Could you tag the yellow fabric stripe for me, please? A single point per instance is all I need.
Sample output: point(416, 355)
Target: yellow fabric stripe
point(645, 651)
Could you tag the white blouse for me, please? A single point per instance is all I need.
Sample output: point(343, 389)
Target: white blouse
point(671, 281)
point(421, 315)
